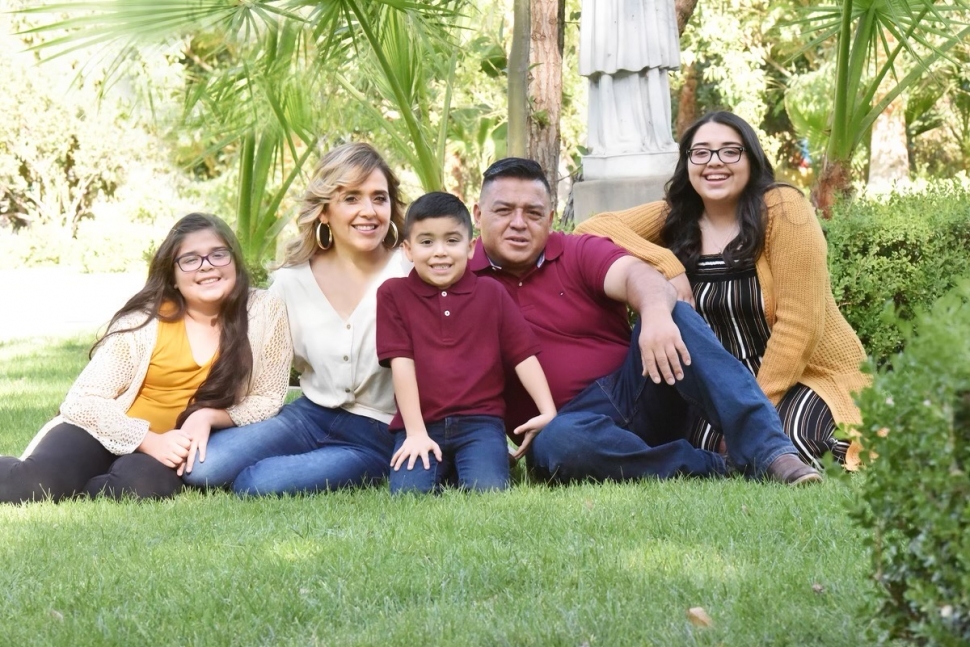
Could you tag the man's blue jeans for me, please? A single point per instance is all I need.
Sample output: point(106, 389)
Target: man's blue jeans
point(474, 452)
point(304, 448)
point(623, 426)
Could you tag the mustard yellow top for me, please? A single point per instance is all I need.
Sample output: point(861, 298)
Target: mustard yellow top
point(172, 379)
point(811, 342)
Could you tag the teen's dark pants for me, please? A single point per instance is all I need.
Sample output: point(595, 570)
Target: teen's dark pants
point(70, 462)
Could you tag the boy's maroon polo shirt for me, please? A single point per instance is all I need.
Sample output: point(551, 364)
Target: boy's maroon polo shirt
point(583, 333)
point(462, 340)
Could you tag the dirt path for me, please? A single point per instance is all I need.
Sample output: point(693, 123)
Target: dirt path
point(58, 302)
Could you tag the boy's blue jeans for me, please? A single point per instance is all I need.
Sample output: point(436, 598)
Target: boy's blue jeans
point(623, 426)
point(474, 454)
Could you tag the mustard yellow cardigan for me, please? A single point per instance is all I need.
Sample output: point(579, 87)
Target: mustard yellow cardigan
point(811, 342)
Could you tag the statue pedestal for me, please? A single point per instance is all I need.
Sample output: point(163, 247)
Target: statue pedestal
point(616, 182)
point(632, 165)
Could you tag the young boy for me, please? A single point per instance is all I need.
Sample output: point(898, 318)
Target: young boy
point(449, 337)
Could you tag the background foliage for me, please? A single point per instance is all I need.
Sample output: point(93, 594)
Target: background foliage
point(901, 254)
point(913, 500)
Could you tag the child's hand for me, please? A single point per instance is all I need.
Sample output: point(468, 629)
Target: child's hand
point(530, 428)
point(413, 447)
point(170, 449)
point(198, 427)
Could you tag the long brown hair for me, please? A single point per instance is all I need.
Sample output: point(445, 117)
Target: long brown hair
point(681, 231)
point(160, 300)
point(345, 166)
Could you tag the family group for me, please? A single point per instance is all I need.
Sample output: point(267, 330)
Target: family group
point(419, 346)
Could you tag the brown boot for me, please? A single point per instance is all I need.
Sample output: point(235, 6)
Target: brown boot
point(789, 469)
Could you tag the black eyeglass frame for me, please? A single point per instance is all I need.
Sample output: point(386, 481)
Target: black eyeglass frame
point(202, 259)
point(715, 151)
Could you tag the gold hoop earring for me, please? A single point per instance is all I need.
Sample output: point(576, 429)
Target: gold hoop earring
point(391, 229)
point(320, 226)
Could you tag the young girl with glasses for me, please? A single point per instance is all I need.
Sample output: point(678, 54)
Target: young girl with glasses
point(749, 255)
point(196, 349)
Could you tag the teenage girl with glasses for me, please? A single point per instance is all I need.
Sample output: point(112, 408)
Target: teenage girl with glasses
point(750, 256)
point(196, 349)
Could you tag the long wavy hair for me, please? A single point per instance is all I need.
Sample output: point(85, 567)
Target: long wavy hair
point(681, 231)
point(344, 166)
point(229, 374)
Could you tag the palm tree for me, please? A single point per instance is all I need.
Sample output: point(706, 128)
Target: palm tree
point(873, 37)
point(277, 73)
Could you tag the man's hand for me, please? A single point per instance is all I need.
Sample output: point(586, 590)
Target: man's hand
point(661, 347)
point(682, 287)
point(170, 449)
point(413, 447)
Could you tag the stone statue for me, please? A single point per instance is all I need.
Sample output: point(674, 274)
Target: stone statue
point(626, 49)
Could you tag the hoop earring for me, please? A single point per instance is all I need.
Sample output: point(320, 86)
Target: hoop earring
point(320, 226)
point(391, 229)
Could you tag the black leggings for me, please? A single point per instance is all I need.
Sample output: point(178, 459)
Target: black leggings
point(70, 462)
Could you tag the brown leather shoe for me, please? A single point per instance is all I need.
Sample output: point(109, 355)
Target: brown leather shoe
point(789, 469)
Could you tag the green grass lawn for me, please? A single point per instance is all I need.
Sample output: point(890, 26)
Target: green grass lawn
point(606, 565)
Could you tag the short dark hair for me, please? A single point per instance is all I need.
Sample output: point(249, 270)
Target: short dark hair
point(515, 167)
point(437, 204)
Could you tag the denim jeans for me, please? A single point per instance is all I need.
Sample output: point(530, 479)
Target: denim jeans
point(474, 451)
point(623, 426)
point(304, 448)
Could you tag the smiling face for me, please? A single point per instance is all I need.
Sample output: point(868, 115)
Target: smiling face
point(440, 249)
point(515, 217)
point(718, 184)
point(206, 288)
point(359, 216)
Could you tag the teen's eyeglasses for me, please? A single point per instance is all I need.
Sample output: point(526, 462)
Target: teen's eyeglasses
point(216, 258)
point(727, 154)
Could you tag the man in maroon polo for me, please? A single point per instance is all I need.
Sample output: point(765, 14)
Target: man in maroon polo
point(623, 408)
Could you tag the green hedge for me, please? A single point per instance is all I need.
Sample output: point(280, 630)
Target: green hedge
point(915, 493)
point(900, 254)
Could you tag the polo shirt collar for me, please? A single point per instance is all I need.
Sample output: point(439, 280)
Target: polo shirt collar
point(465, 285)
point(552, 251)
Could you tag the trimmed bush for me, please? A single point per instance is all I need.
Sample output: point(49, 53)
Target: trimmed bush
point(915, 495)
point(901, 254)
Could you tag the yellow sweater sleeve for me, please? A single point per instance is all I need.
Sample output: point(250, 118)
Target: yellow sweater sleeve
point(637, 230)
point(795, 249)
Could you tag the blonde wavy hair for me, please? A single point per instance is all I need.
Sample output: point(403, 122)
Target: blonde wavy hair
point(344, 166)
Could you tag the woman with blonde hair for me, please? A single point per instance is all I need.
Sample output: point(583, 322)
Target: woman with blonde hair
point(335, 435)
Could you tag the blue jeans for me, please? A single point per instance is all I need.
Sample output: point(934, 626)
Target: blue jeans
point(623, 426)
point(305, 448)
point(474, 447)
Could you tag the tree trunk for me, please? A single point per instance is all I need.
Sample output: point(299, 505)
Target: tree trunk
point(888, 152)
point(518, 73)
point(888, 146)
point(684, 9)
point(545, 86)
point(686, 101)
point(834, 183)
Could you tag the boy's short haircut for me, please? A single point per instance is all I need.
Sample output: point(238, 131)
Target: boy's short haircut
point(437, 204)
point(519, 168)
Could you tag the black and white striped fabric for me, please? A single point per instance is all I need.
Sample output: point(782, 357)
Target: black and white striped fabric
point(730, 301)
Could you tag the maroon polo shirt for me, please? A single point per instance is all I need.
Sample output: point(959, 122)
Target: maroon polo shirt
point(583, 333)
point(462, 339)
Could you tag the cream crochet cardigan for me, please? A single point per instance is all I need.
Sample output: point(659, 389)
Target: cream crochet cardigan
point(99, 399)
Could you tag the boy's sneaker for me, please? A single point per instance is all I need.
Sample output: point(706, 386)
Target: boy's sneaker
point(789, 469)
